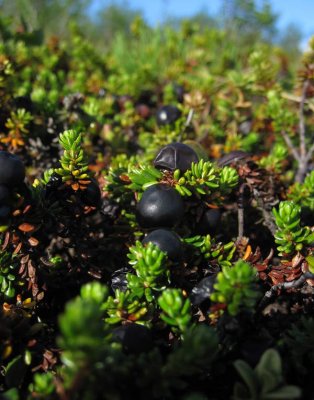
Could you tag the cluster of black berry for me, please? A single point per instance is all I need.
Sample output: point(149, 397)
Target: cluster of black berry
point(161, 207)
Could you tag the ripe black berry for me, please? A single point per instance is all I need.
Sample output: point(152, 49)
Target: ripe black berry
point(55, 181)
point(160, 206)
point(135, 338)
point(92, 195)
point(168, 241)
point(175, 156)
point(208, 222)
point(12, 170)
point(4, 196)
point(118, 279)
point(167, 115)
point(4, 214)
point(178, 90)
point(203, 290)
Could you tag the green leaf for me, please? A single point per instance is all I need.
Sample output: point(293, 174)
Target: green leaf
point(249, 377)
point(15, 372)
point(288, 392)
point(270, 361)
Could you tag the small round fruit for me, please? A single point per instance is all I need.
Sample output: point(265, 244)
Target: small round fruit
point(160, 206)
point(178, 90)
point(203, 290)
point(4, 196)
point(208, 222)
point(143, 111)
point(135, 338)
point(168, 241)
point(12, 170)
point(5, 212)
point(92, 195)
point(118, 279)
point(175, 156)
point(167, 115)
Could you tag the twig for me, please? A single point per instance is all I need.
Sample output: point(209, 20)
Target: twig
point(189, 118)
point(285, 286)
point(302, 156)
point(290, 145)
point(301, 120)
point(297, 99)
point(186, 124)
point(269, 221)
point(241, 211)
point(309, 153)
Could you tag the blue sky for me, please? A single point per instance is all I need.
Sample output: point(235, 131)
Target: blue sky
point(300, 12)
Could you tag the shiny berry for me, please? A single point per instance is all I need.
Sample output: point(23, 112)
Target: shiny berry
point(167, 115)
point(118, 279)
point(5, 212)
point(178, 90)
point(135, 338)
point(55, 181)
point(203, 290)
point(160, 206)
point(12, 170)
point(175, 156)
point(92, 195)
point(4, 195)
point(208, 222)
point(168, 241)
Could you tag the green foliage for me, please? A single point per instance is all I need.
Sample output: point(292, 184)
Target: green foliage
point(143, 176)
point(205, 178)
point(282, 118)
point(290, 236)
point(265, 382)
point(235, 90)
point(198, 350)
point(43, 385)
point(274, 160)
point(176, 309)
point(17, 128)
point(9, 279)
point(74, 168)
point(236, 287)
point(150, 265)
point(207, 247)
point(81, 325)
point(127, 306)
point(303, 193)
point(300, 345)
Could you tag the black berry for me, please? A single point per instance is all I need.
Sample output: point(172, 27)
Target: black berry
point(203, 290)
point(167, 115)
point(160, 206)
point(92, 195)
point(175, 156)
point(208, 222)
point(178, 90)
point(135, 338)
point(118, 279)
point(4, 214)
point(4, 196)
point(12, 170)
point(168, 241)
